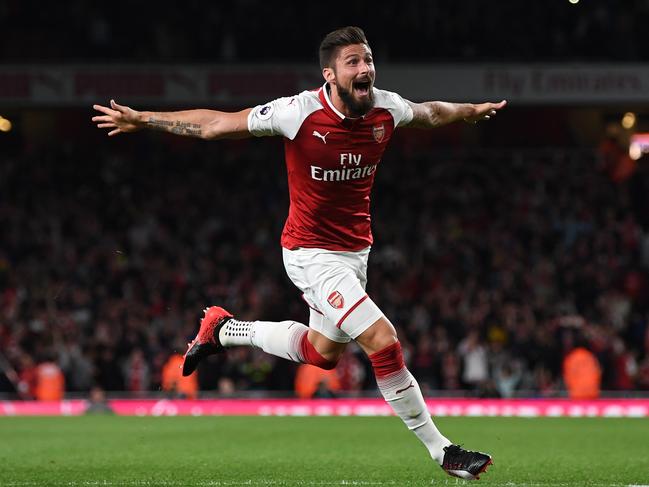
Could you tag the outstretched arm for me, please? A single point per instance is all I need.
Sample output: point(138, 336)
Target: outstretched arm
point(437, 113)
point(204, 124)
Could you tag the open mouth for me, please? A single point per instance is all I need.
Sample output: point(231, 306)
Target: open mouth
point(362, 88)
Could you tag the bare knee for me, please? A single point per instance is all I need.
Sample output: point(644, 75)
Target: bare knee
point(378, 336)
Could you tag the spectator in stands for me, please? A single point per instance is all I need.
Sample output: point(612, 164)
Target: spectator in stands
point(136, 372)
point(475, 370)
point(27, 378)
point(581, 372)
point(97, 403)
point(313, 382)
point(507, 377)
point(173, 382)
point(50, 383)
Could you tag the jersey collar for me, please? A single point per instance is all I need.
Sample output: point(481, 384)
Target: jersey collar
point(325, 92)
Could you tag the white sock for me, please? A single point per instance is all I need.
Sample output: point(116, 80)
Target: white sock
point(401, 391)
point(280, 338)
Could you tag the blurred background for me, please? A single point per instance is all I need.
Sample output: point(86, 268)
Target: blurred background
point(512, 256)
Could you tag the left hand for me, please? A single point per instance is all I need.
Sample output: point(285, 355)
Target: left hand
point(484, 111)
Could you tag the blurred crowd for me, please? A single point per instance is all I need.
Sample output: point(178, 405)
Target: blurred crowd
point(249, 31)
point(493, 265)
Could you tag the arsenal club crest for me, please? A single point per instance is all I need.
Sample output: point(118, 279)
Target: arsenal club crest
point(378, 131)
point(336, 300)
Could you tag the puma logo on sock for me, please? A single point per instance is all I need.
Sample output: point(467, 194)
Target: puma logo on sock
point(405, 388)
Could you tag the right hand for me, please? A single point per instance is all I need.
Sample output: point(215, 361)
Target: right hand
point(120, 118)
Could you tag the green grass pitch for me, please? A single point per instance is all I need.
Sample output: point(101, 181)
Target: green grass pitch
point(290, 451)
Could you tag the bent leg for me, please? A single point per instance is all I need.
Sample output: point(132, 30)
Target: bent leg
point(286, 339)
point(398, 387)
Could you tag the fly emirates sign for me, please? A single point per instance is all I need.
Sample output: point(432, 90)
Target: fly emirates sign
point(350, 169)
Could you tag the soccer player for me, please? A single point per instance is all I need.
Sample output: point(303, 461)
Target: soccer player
point(334, 139)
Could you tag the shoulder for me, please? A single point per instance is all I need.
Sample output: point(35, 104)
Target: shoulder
point(283, 116)
point(297, 109)
point(387, 99)
point(309, 99)
point(398, 107)
point(296, 106)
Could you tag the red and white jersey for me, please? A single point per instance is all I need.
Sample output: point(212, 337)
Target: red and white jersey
point(331, 162)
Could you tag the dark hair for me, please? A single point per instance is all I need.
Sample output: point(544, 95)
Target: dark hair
point(345, 36)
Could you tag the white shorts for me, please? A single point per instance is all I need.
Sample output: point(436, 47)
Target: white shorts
point(333, 284)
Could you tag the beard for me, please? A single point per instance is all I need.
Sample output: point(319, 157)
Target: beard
point(357, 108)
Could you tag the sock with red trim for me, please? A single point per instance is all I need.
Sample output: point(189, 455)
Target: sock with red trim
point(401, 391)
point(285, 339)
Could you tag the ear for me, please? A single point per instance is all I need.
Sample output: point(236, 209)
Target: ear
point(329, 74)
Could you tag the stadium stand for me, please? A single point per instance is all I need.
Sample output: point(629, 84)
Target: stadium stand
point(595, 30)
point(490, 262)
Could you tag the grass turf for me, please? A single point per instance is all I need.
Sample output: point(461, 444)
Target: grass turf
point(287, 451)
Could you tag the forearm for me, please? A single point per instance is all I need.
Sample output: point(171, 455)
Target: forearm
point(192, 123)
point(201, 123)
point(437, 113)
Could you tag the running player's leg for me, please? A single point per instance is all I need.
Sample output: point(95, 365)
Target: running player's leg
point(365, 323)
point(340, 294)
point(401, 391)
point(398, 387)
point(337, 290)
point(342, 298)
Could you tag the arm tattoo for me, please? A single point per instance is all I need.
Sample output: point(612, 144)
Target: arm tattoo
point(159, 124)
point(186, 128)
point(176, 127)
point(423, 115)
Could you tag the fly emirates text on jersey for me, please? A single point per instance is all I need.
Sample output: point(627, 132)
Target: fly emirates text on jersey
point(351, 169)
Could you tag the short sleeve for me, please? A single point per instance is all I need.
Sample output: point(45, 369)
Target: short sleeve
point(403, 111)
point(393, 102)
point(278, 117)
